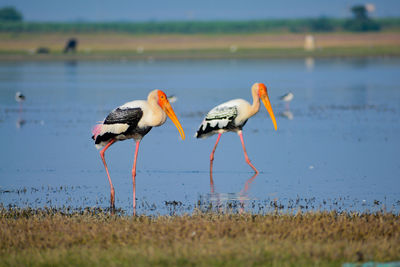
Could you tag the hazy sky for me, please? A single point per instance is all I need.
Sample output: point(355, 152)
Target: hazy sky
point(159, 10)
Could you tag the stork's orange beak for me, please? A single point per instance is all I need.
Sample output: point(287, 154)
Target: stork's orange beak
point(166, 106)
point(262, 91)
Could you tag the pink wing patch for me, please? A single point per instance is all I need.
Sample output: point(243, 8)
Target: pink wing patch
point(96, 130)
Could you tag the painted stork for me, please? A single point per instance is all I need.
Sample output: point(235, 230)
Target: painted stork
point(231, 116)
point(133, 120)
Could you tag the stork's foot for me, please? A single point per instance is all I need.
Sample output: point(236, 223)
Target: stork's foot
point(250, 164)
point(112, 209)
point(212, 189)
point(112, 199)
point(256, 172)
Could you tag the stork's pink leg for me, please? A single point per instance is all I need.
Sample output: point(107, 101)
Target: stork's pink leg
point(134, 176)
point(112, 199)
point(211, 163)
point(245, 153)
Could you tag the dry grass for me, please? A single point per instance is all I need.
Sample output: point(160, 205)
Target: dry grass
point(49, 237)
point(124, 42)
point(170, 44)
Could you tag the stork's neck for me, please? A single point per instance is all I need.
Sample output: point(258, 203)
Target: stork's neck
point(158, 115)
point(256, 102)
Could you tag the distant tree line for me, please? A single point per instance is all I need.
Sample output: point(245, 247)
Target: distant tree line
point(360, 21)
point(10, 14)
point(11, 21)
point(297, 25)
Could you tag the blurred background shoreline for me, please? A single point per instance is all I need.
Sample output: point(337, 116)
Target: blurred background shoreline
point(359, 34)
point(26, 46)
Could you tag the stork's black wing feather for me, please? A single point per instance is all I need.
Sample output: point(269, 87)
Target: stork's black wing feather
point(129, 116)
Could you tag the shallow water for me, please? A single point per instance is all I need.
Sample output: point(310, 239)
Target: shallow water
point(336, 146)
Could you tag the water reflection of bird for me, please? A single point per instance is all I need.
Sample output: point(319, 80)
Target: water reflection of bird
point(287, 114)
point(133, 120)
point(232, 116)
point(221, 198)
point(19, 123)
point(287, 98)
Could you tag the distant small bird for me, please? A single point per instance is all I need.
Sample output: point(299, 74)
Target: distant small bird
point(71, 45)
point(287, 98)
point(19, 97)
point(231, 116)
point(172, 98)
point(133, 120)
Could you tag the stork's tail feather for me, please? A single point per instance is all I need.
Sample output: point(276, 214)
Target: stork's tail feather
point(96, 131)
point(205, 130)
point(200, 133)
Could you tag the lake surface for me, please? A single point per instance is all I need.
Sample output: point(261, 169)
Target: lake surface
point(336, 148)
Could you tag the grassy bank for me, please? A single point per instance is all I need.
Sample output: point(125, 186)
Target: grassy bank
point(50, 237)
point(355, 52)
point(126, 46)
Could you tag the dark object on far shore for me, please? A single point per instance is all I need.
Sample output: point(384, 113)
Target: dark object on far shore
point(71, 45)
point(10, 14)
point(42, 50)
point(361, 22)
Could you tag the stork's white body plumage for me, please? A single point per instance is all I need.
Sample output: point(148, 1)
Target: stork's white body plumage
point(232, 116)
point(133, 120)
point(228, 116)
point(153, 115)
